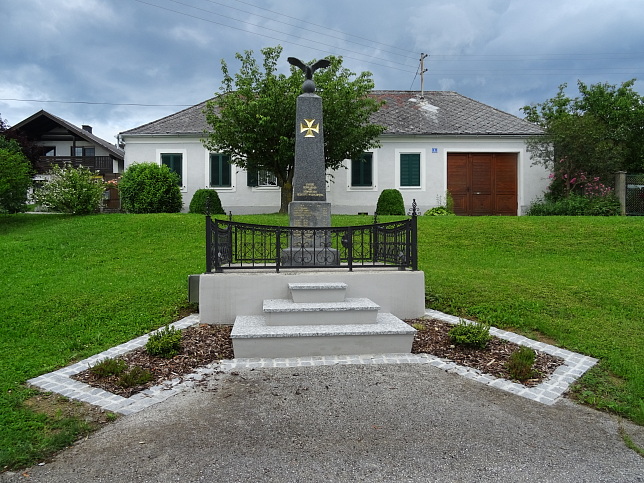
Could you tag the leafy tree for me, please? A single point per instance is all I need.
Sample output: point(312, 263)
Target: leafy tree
point(590, 136)
point(15, 176)
point(253, 119)
point(31, 150)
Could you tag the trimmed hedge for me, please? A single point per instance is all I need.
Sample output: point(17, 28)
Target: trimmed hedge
point(390, 202)
point(150, 188)
point(202, 198)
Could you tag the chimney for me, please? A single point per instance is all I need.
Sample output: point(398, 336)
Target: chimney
point(87, 128)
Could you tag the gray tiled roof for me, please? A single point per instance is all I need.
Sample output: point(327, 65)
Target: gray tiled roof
point(440, 112)
point(189, 121)
point(444, 112)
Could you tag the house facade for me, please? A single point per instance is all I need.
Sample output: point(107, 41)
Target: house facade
point(62, 142)
point(434, 144)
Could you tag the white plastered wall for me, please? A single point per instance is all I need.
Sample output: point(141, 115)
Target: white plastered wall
point(242, 199)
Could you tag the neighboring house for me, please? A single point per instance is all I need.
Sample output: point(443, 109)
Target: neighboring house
point(63, 143)
point(441, 142)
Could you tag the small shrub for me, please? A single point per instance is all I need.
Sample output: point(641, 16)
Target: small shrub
point(72, 190)
point(109, 367)
point(150, 188)
point(418, 326)
point(475, 334)
point(520, 364)
point(577, 205)
point(390, 202)
point(165, 342)
point(206, 198)
point(135, 377)
point(438, 211)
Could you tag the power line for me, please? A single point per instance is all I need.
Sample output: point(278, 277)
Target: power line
point(308, 27)
point(99, 103)
point(271, 37)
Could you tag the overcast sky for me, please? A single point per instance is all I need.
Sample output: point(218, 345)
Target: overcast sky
point(117, 64)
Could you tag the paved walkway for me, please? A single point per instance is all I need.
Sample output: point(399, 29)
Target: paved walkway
point(547, 392)
point(349, 423)
point(384, 418)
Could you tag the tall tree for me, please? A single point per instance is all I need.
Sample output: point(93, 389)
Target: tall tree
point(590, 136)
point(15, 176)
point(253, 118)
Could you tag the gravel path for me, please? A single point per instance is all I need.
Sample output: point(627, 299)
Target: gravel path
point(373, 423)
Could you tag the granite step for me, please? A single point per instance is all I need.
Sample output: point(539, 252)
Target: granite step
point(253, 337)
point(317, 292)
point(350, 311)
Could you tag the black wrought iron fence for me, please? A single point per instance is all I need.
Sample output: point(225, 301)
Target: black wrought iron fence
point(635, 194)
point(233, 245)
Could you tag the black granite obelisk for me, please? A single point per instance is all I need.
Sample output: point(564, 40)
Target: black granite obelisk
point(309, 208)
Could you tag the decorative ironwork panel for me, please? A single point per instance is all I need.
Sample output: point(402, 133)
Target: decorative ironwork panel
point(241, 245)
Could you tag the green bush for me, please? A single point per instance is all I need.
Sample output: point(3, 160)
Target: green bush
point(150, 188)
point(109, 367)
point(165, 342)
point(71, 190)
point(474, 334)
point(520, 364)
point(134, 377)
point(203, 198)
point(577, 205)
point(390, 202)
point(15, 177)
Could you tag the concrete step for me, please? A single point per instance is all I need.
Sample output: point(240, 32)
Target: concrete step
point(350, 311)
point(317, 292)
point(252, 337)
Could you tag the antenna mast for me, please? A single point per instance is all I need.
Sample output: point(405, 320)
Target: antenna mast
point(422, 75)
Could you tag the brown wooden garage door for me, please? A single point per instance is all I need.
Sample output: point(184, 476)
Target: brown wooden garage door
point(483, 183)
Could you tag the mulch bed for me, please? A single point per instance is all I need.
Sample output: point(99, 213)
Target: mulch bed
point(203, 344)
point(492, 360)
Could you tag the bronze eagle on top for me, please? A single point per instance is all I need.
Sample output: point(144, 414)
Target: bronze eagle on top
point(309, 69)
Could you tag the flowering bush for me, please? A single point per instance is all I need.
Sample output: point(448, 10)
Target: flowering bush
point(71, 190)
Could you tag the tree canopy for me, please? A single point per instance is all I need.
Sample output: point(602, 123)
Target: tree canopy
point(590, 136)
point(15, 176)
point(253, 118)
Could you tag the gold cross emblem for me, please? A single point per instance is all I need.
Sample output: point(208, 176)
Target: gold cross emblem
point(309, 128)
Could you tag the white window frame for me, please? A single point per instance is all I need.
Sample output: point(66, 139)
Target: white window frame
point(184, 164)
point(423, 162)
point(233, 175)
point(374, 174)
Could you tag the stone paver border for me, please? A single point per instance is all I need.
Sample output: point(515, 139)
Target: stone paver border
point(547, 392)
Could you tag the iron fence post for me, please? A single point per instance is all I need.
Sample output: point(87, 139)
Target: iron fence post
point(414, 236)
point(350, 249)
point(278, 250)
point(208, 244)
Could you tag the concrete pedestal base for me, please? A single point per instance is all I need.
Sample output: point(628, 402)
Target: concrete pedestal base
point(224, 296)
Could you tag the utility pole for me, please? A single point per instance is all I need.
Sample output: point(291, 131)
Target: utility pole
point(422, 75)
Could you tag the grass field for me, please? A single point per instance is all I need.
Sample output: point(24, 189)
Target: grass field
point(75, 286)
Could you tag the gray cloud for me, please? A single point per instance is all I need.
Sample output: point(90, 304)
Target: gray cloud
point(96, 54)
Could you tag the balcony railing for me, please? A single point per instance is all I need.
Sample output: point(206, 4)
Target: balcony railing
point(103, 164)
point(232, 245)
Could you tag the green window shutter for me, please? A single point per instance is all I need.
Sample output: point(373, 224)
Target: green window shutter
point(220, 170)
point(361, 170)
point(251, 177)
point(174, 161)
point(410, 169)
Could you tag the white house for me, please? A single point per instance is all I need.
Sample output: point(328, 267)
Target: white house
point(442, 141)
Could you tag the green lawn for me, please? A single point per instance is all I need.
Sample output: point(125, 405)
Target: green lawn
point(75, 286)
